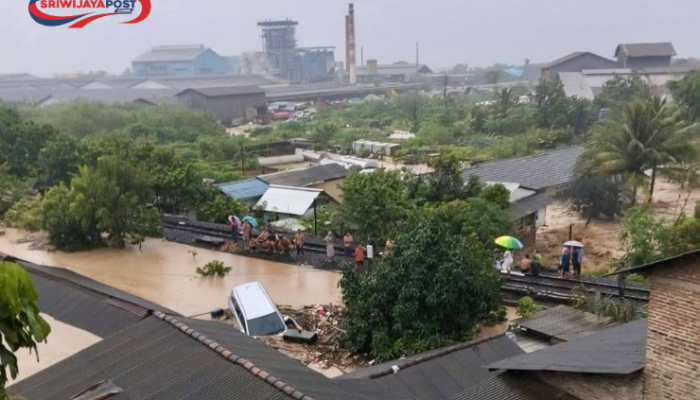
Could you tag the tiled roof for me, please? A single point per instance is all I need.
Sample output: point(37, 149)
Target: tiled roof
point(163, 357)
point(663, 49)
point(83, 303)
point(171, 53)
point(619, 350)
point(221, 91)
point(306, 176)
point(513, 387)
point(551, 168)
point(442, 373)
point(565, 323)
point(249, 189)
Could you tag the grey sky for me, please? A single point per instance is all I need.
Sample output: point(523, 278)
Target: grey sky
point(449, 31)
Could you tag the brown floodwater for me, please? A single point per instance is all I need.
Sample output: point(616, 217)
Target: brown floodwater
point(164, 272)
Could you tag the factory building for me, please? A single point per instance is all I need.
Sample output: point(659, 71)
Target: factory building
point(180, 61)
point(226, 104)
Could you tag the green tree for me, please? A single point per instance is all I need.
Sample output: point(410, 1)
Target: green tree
point(553, 106)
point(21, 325)
point(493, 77)
point(595, 197)
point(504, 101)
point(434, 289)
point(12, 188)
point(59, 160)
point(414, 109)
point(375, 203)
point(20, 145)
point(648, 136)
point(446, 183)
point(687, 93)
point(619, 91)
point(435, 134)
point(218, 208)
point(497, 194)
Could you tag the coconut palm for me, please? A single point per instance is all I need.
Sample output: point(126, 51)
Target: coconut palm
point(649, 136)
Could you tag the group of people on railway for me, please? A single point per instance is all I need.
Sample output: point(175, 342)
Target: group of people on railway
point(570, 257)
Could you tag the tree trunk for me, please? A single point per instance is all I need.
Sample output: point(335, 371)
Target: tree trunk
point(653, 183)
point(634, 193)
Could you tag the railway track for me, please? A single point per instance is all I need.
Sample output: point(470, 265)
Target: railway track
point(224, 233)
point(546, 287)
point(553, 287)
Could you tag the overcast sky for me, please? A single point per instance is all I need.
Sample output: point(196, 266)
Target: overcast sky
point(477, 32)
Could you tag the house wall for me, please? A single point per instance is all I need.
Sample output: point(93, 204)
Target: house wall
point(331, 189)
point(225, 108)
point(578, 64)
point(673, 337)
point(597, 386)
point(644, 62)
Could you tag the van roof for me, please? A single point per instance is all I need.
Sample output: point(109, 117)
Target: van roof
point(254, 300)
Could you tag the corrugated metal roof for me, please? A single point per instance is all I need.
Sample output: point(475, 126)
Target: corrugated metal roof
point(551, 168)
point(618, 350)
point(662, 49)
point(529, 205)
point(288, 200)
point(111, 96)
point(249, 189)
point(565, 323)
point(513, 387)
point(222, 91)
point(393, 69)
point(172, 53)
point(306, 176)
point(442, 373)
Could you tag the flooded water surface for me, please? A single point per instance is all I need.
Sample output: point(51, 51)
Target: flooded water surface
point(164, 273)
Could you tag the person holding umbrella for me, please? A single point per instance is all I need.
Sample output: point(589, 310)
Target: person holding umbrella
point(576, 252)
point(509, 243)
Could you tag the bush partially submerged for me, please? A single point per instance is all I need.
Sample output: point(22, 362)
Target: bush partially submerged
point(214, 268)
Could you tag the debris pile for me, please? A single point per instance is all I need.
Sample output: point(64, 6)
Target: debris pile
point(328, 352)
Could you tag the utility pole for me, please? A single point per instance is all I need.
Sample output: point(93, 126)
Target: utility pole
point(243, 157)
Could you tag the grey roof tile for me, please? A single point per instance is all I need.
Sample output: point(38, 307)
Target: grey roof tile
point(221, 91)
point(171, 53)
point(512, 387)
point(662, 49)
point(551, 168)
point(618, 350)
point(306, 176)
point(565, 323)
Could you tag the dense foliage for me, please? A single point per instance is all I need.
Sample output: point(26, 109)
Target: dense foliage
point(21, 325)
point(214, 268)
point(437, 285)
point(596, 197)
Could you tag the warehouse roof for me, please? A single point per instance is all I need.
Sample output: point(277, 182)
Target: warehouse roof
point(618, 350)
point(222, 91)
point(551, 168)
point(659, 263)
point(513, 387)
point(663, 49)
point(565, 323)
point(110, 96)
point(172, 53)
point(442, 373)
point(306, 176)
point(288, 200)
point(249, 189)
point(166, 358)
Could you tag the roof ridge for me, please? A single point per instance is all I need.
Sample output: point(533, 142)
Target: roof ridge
point(439, 353)
point(228, 355)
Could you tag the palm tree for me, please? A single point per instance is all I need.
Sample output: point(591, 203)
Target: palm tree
point(649, 136)
point(503, 102)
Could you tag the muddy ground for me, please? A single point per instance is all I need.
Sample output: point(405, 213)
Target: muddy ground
point(602, 238)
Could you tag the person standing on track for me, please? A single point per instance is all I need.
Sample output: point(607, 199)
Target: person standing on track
point(347, 243)
point(299, 241)
point(330, 245)
point(246, 234)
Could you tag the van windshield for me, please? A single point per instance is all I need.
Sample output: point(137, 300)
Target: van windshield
point(270, 324)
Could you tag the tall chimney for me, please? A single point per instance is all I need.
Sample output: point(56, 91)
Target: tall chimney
point(417, 53)
point(351, 45)
point(347, 43)
point(362, 56)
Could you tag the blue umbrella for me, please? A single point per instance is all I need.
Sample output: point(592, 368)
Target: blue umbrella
point(252, 221)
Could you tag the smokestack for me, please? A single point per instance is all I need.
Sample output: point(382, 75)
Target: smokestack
point(347, 43)
point(351, 45)
point(362, 56)
point(417, 57)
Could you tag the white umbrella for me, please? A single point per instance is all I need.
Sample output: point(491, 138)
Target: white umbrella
point(573, 243)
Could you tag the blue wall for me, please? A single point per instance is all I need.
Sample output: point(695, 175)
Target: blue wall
point(208, 63)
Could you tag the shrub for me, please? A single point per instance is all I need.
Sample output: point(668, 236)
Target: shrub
point(214, 268)
point(527, 307)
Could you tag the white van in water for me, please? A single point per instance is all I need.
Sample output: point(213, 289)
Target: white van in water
point(255, 311)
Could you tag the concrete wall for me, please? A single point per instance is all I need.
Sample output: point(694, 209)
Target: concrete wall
point(224, 108)
point(673, 337)
point(331, 188)
point(597, 386)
